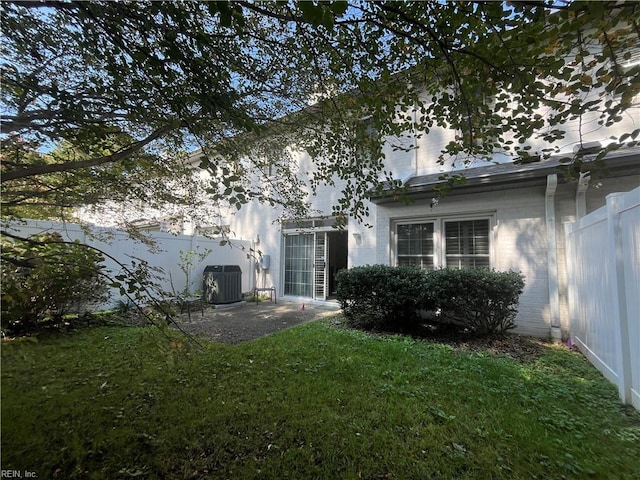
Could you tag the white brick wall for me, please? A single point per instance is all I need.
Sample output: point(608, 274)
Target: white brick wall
point(519, 233)
point(257, 220)
point(519, 241)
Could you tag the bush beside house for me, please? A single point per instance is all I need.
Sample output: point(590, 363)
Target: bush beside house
point(478, 301)
point(47, 279)
point(379, 296)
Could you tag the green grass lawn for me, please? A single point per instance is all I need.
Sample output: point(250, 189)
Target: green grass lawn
point(312, 402)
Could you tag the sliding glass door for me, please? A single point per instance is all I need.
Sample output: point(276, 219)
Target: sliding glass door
point(311, 261)
point(298, 265)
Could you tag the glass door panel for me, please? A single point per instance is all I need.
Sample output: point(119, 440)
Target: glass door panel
point(298, 265)
point(320, 266)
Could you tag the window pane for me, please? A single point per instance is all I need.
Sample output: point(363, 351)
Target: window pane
point(467, 244)
point(425, 262)
point(298, 264)
point(415, 245)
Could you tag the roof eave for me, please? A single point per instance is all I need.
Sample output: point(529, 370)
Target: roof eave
point(626, 163)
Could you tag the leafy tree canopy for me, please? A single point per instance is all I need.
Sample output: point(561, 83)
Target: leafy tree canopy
point(99, 96)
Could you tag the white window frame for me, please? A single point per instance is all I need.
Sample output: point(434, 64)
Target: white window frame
point(463, 255)
point(439, 235)
point(400, 223)
point(309, 226)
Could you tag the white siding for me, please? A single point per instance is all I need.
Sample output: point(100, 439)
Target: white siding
point(520, 240)
point(262, 221)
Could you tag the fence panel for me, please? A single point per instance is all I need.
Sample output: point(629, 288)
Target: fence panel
point(630, 246)
point(603, 267)
point(164, 259)
point(592, 326)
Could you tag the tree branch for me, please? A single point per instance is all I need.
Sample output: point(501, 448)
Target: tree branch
point(92, 162)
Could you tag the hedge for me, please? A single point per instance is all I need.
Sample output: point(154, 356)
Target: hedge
point(379, 296)
point(482, 301)
point(479, 301)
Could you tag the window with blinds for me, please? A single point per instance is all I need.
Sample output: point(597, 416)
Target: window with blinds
point(415, 245)
point(444, 242)
point(467, 244)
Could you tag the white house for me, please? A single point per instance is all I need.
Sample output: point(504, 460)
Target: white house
point(506, 216)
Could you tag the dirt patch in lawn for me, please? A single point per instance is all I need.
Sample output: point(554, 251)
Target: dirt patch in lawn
point(519, 347)
point(523, 349)
point(248, 321)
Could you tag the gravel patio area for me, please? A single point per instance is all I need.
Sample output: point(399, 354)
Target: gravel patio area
point(248, 321)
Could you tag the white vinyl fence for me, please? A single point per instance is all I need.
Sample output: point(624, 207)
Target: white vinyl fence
point(603, 269)
point(163, 260)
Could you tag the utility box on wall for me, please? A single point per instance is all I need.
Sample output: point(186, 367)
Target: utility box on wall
point(222, 284)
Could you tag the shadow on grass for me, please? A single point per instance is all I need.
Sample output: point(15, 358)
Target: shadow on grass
point(522, 348)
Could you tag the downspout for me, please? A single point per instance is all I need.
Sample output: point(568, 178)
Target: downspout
point(552, 258)
point(253, 259)
point(581, 197)
point(415, 140)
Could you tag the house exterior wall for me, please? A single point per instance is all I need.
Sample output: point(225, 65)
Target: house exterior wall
point(580, 130)
point(518, 215)
point(262, 221)
point(257, 222)
point(519, 236)
point(518, 240)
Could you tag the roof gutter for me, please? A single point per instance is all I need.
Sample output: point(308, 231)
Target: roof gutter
point(516, 177)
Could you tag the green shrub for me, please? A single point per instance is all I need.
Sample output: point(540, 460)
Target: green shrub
point(46, 278)
point(398, 298)
point(482, 301)
point(380, 296)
